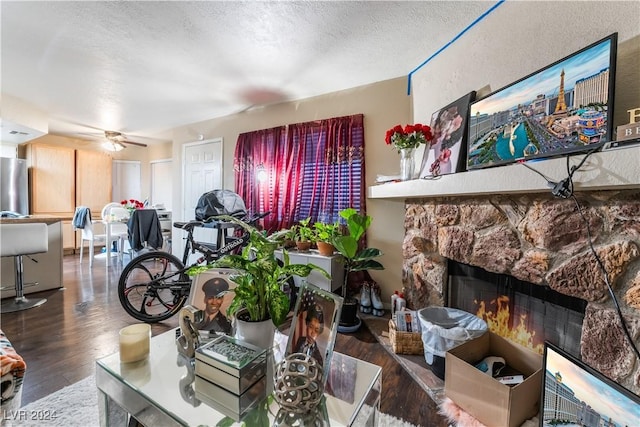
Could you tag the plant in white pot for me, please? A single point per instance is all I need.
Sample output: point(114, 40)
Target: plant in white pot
point(260, 277)
point(354, 259)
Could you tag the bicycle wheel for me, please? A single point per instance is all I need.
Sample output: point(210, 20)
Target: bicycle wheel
point(153, 287)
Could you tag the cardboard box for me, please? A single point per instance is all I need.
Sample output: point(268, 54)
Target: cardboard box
point(231, 363)
point(487, 399)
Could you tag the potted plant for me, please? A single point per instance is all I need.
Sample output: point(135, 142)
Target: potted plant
point(325, 234)
point(354, 260)
point(304, 234)
point(260, 278)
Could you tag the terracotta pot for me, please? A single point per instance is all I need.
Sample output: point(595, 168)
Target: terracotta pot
point(303, 246)
point(325, 248)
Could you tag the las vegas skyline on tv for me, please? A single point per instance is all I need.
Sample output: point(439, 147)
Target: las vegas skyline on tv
point(550, 112)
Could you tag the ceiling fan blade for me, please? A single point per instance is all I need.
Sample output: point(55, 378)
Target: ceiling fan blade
point(139, 144)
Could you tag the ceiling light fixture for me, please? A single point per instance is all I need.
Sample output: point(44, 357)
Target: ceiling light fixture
point(112, 146)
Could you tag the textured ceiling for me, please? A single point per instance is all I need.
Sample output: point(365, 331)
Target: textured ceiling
point(145, 67)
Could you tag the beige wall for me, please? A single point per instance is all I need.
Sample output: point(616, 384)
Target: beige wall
point(383, 104)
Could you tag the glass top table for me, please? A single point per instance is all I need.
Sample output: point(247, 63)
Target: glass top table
point(159, 391)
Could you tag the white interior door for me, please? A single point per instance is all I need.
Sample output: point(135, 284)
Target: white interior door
point(202, 172)
point(126, 180)
point(161, 186)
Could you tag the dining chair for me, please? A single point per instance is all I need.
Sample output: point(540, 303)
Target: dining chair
point(116, 217)
point(88, 234)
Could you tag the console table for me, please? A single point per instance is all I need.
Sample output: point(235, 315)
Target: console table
point(159, 391)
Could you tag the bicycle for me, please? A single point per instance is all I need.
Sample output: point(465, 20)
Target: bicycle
point(154, 286)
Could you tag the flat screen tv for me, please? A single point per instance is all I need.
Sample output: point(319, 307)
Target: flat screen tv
point(574, 394)
point(563, 108)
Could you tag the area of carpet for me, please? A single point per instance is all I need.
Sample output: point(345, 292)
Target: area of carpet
point(77, 405)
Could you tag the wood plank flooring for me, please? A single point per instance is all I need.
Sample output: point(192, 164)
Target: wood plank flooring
point(79, 323)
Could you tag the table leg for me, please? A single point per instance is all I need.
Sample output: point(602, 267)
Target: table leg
point(111, 414)
point(107, 226)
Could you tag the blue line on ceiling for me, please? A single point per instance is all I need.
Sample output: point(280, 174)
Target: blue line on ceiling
point(478, 19)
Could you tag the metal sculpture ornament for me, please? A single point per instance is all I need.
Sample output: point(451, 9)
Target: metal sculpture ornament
point(298, 383)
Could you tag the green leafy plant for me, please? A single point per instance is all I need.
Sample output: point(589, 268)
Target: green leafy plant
point(347, 246)
point(304, 231)
point(326, 232)
point(261, 275)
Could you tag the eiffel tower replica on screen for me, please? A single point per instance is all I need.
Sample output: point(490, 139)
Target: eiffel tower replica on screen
point(561, 107)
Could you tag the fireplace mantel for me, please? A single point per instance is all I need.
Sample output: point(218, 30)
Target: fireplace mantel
point(607, 170)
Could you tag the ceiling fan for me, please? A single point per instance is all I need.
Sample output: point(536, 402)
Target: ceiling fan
point(116, 140)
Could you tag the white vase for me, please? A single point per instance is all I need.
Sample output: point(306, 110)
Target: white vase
point(407, 163)
point(259, 334)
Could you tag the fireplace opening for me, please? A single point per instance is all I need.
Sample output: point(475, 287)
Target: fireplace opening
point(523, 312)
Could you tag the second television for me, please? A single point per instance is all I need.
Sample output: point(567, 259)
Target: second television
point(563, 108)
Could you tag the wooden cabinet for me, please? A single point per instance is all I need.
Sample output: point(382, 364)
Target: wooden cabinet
point(52, 179)
point(62, 178)
point(93, 180)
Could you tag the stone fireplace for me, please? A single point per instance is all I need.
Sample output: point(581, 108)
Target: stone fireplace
point(542, 240)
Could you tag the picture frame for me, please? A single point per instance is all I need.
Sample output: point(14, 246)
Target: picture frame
point(448, 151)
point(214, 281)
point(315, 325)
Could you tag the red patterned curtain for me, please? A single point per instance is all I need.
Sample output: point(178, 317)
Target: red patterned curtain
point(313, 169)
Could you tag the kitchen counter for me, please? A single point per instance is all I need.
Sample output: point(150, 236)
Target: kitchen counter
point(46, 271)
point(34, 219)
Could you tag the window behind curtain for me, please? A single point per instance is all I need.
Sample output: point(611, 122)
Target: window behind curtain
point(315, 171)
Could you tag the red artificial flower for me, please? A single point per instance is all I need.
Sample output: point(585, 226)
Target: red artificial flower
point(411, 136)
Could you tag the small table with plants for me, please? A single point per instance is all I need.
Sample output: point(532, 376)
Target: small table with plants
point(159, 391)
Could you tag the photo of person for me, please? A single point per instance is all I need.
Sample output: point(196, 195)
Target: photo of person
point(210, 293)
point(447, 153)
point(314, 327)
point(315, 324)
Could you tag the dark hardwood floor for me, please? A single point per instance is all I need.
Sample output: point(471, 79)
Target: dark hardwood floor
point(79, 323)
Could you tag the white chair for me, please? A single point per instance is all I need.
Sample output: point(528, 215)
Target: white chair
point(18, 240)
point(89, 235)
point(117, 216)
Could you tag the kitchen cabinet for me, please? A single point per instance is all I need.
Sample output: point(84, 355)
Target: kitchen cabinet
point(93, 180)
point(52, 179)
point(331, 264)
point(62, 178)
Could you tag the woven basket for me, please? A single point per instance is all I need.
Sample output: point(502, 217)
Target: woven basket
point(405, 342)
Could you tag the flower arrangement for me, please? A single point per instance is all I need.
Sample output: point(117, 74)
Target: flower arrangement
point(411, 136)
point(131, 204)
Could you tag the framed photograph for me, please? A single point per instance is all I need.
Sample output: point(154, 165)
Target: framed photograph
point(315, 325)
point(210, 293)
point(448, 152)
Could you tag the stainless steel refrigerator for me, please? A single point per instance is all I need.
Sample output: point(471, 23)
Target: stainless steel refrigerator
point(14, 183)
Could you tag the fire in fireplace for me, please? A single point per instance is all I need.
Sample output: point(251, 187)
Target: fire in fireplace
point(523, 312)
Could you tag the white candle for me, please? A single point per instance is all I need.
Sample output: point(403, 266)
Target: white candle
point(134, 342)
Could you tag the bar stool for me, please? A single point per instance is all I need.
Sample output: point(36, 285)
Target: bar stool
point(17, 240)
